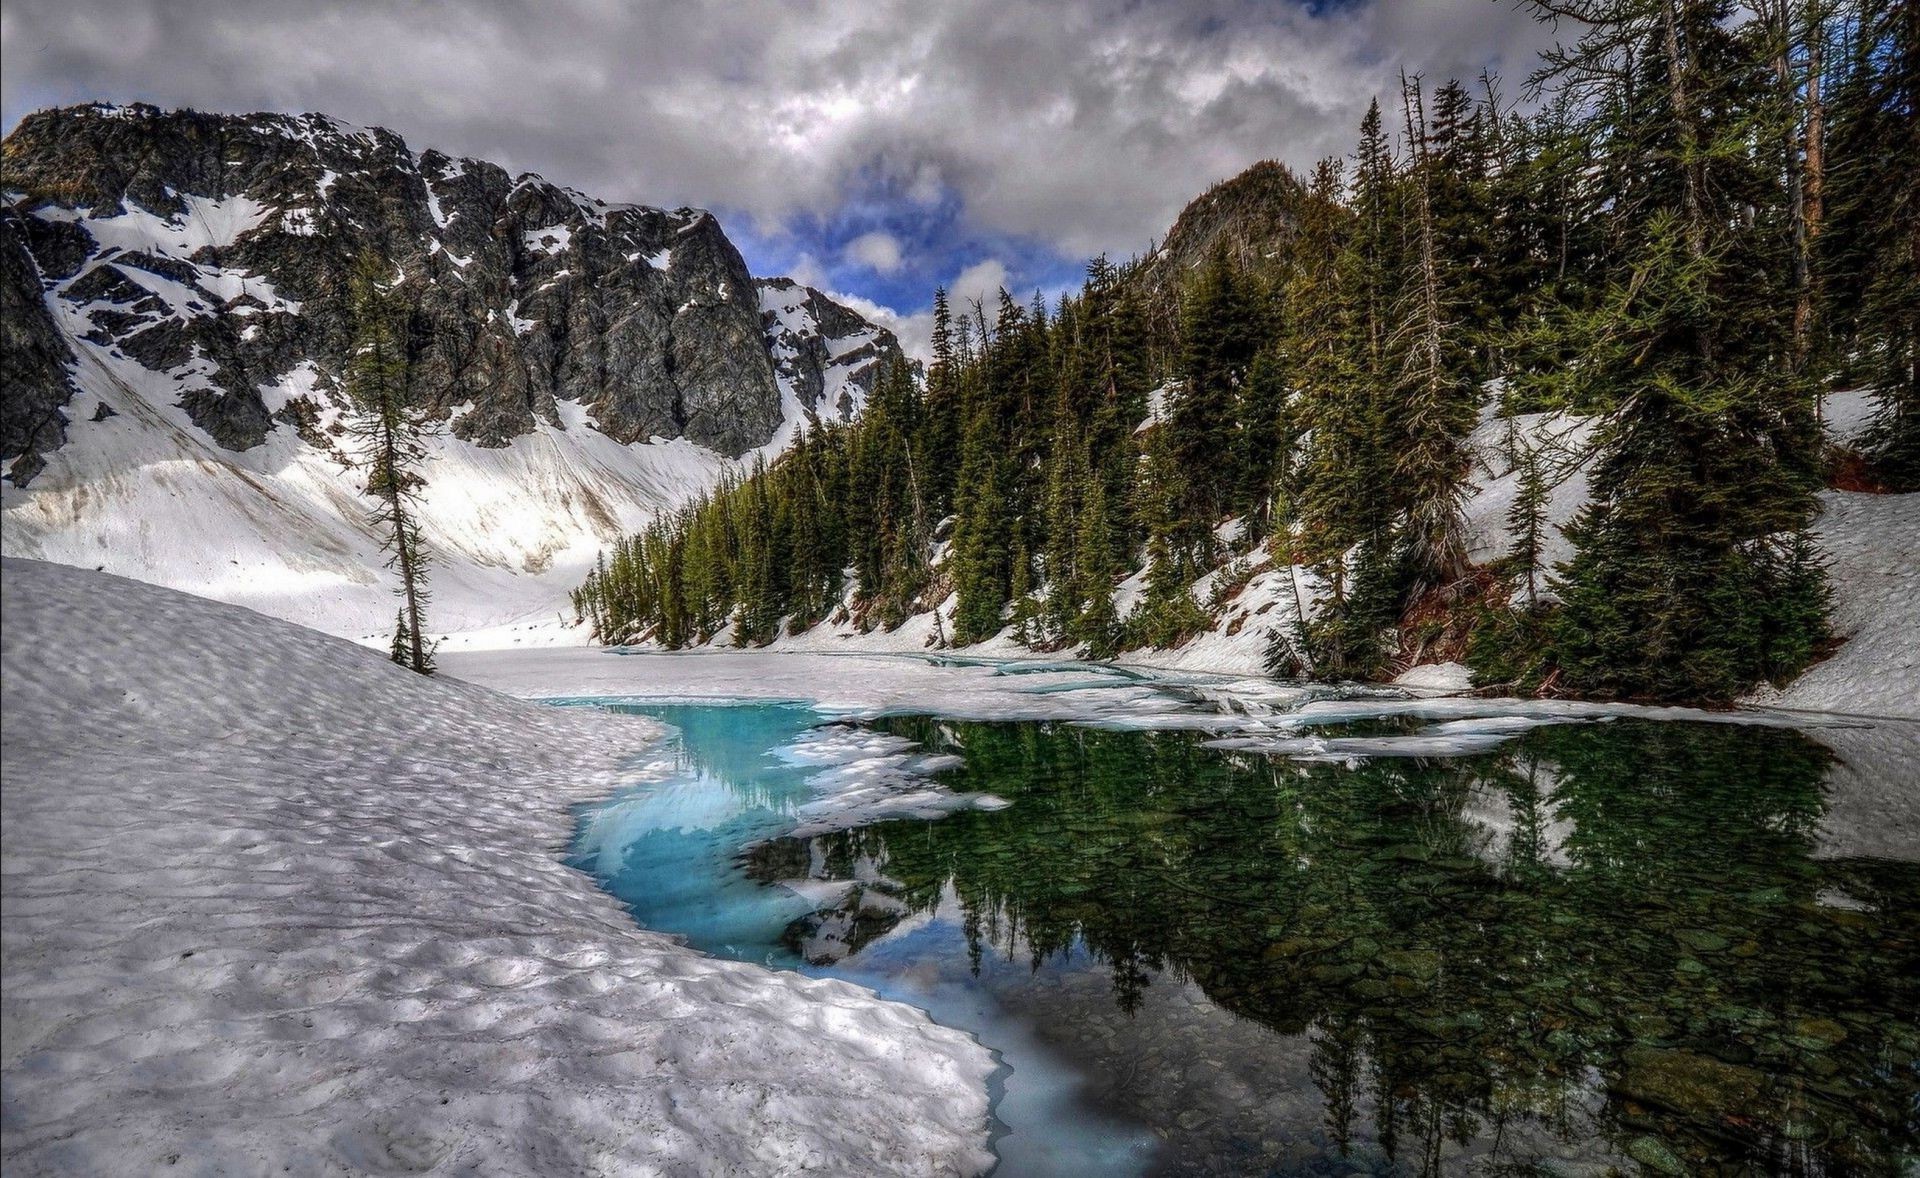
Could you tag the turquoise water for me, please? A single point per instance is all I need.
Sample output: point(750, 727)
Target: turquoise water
point(1604, 946)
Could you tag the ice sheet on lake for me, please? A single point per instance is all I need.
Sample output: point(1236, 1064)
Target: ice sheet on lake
point(1238, 712)
point(869, 776)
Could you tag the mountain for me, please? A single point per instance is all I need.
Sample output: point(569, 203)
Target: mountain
point(1253, 216)
point(175, 287)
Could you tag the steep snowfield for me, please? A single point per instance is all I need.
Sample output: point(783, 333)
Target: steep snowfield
point(281, 528)
point(273, 905)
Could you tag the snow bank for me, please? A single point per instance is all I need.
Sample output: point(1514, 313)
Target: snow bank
point(274, 904)
point(1436, 677)
point(1873, 544)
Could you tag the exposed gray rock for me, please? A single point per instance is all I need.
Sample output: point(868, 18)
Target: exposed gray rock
point(34, 361)
point(822, 349)
point(1254, 217)
point(218, 249)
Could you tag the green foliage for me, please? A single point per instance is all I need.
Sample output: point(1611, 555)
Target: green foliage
point(1644, 248)
point(1506, 648)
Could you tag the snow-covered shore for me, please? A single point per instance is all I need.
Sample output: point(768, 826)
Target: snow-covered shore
point(274, 905)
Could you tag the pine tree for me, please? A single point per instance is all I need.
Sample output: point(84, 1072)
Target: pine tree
point(979, 561)
point(1167, 614)
point(1527, 522)
point(1708, 453)
point(401, 648)
point(937, 444)
point(1097, 624)
point(391, 434)
point(1265, 439)
point(1435, 397)
point(1221, 331)
point(1867, 253)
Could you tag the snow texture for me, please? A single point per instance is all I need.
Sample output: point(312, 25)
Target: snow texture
point(275, 905)
point(1872, 543)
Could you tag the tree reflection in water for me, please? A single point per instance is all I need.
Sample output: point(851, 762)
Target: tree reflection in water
point(1607, 943)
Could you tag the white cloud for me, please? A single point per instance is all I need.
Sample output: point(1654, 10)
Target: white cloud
point(1083, 123)
point(807, 271)
point(914, 331)
point(876, 251)
point(979, 282)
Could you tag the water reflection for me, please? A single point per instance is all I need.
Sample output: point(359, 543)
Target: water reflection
point(1605, 945)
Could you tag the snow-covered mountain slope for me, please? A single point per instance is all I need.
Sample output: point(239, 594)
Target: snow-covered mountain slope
point(175, 290)
point(275, 905)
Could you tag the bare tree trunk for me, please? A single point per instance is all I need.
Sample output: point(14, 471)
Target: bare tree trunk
point(403, 552)
point(1815, 164)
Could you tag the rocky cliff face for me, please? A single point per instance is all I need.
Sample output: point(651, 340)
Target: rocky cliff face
point(827, 355)
point(217, 249)
point(174, 305)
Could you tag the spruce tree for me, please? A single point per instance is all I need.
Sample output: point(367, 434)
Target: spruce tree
point(1221, 330)
point(391, 434)
point(1435, 400)
point(1707, 456)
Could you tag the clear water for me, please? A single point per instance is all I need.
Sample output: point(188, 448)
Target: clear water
point(1602, 947)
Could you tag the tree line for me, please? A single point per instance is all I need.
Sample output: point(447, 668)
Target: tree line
point(1699, 226)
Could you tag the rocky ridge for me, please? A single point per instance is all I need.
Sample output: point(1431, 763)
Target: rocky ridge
point(217, 249)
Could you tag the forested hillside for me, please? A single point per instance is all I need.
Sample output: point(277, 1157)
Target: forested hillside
point(1701, 223)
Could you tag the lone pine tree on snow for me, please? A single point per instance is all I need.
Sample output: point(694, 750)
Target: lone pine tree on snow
point(391, 434)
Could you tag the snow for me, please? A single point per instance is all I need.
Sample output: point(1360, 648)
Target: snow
point(1848, 414)
point(273, 903)
point(786, 307)
point(1873, 545)
point(551, 240)
point(1159, 405)
point(1436, 677)
point(870, 777)
point(282, 527)
point(206, 223)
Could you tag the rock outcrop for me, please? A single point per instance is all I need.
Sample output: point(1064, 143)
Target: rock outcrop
point(217, 249)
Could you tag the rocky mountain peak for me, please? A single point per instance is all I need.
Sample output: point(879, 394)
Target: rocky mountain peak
point(215, 251)
point(1253, 216)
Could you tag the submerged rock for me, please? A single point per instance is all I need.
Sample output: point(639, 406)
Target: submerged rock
point(1688, 1083)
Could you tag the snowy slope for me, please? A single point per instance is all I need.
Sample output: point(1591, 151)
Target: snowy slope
point(273, 905)
point(1872, 542)
point(282, 527)
point(178, 416)
point(142, 491)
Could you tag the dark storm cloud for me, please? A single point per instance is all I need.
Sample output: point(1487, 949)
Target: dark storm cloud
point(1079, 125)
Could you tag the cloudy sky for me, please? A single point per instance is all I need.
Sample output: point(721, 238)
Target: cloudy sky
point(874, 148)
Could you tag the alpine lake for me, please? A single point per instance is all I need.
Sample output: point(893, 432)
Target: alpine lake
point(1600, 948)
